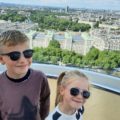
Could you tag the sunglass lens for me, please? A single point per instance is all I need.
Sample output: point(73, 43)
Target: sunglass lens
point(14, 55)
point(74, 91)
point(86, 94)
point(28, 53)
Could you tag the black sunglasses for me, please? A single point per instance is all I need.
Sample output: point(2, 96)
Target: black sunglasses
point(77, 91)
point(15, 55)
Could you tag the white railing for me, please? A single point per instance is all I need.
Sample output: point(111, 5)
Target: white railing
point(100, 80)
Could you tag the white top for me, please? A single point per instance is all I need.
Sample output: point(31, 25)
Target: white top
point(56, 114)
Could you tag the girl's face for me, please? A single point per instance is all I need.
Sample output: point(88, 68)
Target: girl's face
point(71, 102)
point(16, 68)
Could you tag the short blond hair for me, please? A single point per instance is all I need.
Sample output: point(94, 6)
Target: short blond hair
point(12, 38)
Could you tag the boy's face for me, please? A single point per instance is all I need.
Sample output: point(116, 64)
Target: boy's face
point(16, 68)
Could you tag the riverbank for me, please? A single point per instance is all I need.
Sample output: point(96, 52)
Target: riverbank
point(102, 105)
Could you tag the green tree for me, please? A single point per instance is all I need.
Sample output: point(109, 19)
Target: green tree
point(91, 56)
point(96, 25)
point(54, 44)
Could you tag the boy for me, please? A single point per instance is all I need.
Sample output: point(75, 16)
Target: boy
point(24, 92)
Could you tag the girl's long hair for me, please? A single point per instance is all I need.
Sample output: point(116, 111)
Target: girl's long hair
point(58, 96)
point(63, 78)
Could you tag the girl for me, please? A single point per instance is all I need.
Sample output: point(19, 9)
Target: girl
point(72, 92)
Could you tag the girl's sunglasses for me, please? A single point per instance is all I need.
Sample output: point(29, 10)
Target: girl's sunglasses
point(15, 55)
point(77, 91)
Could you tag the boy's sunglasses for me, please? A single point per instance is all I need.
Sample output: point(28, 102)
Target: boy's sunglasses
point(15, 55)
point(77, 91)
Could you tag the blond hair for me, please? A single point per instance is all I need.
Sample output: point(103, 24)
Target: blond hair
point(12, 38)
point(64, 78)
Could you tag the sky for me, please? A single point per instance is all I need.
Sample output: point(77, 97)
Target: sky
point(94, 4)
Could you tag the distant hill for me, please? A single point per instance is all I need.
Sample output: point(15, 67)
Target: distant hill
point(2, 4)
point(7, 4)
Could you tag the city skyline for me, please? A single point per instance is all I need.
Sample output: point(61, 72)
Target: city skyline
point(88, 4)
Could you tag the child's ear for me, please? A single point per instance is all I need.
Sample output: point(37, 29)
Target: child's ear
point(62, 89)
point(1, 60)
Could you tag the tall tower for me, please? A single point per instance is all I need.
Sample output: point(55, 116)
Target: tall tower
point(67, 9)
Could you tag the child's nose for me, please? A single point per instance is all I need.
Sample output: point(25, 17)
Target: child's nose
point(80, 95)
point(22, 57)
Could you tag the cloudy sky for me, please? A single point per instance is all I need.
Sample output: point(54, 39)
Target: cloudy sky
point(95, 4)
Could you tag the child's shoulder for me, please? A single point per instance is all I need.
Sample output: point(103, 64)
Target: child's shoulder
point(54, 115)
point(38, 74)
point(2, 75)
